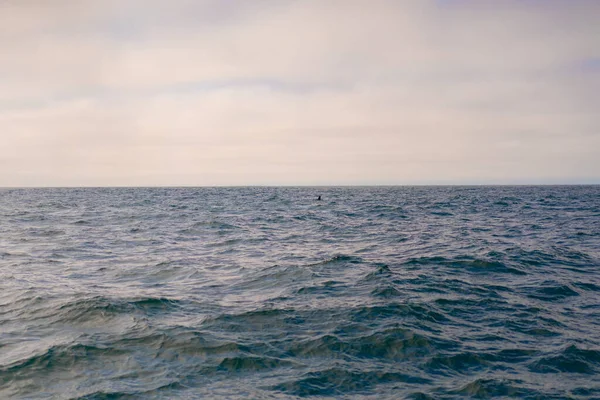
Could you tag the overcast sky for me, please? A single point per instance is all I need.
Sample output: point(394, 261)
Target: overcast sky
point(225, 92)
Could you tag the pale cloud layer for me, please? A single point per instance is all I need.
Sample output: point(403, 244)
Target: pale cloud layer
point(224, 92)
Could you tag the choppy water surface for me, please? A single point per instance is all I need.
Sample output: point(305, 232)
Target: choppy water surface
point(407, 292)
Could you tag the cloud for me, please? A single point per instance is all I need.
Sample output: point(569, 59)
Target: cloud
point(298, 92)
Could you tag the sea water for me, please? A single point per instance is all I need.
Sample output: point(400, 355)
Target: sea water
point(269, 293)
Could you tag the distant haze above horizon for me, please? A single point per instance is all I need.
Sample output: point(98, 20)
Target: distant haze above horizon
point(291, 92)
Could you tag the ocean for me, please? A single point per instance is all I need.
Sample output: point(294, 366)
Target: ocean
point(268, 293)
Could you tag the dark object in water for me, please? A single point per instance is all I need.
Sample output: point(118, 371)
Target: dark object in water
point(319, 198)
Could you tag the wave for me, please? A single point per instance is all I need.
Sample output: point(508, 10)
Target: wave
point(462, 363)
point(252, 363)
point(338, 382)
point(392, 344)
point(551, 291)
point(494, 388)
point(387, 292)
point(206, 227)
point(415, 311)
point(46, 233)
point(468, 263)
point(133, 393)
point(570, 359)
point(101, 309)
point(55, 357)
point(338, 259)
point(554, 255)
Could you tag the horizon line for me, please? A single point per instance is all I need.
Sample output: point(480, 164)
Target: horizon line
point(301, 186)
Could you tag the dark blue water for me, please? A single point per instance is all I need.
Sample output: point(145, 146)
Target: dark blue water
point(406, 292)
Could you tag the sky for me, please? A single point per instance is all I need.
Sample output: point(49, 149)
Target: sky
point(299, 92)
